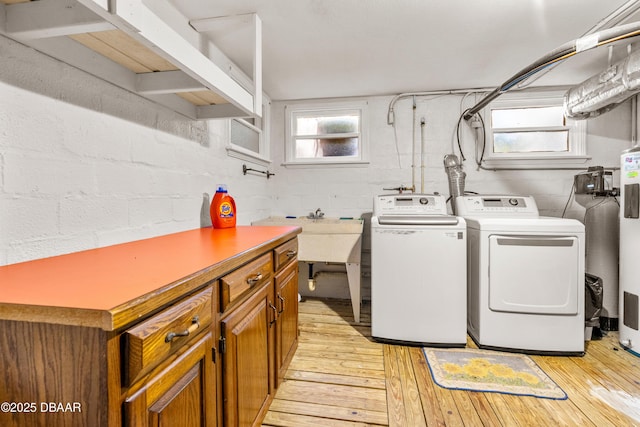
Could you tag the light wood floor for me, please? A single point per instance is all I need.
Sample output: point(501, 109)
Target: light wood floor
point(340, 377)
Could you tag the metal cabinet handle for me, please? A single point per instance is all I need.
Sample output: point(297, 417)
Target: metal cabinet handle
point(291, 253)
point(275, 313)
point(281, 304)
point(255, 279)
point(195, 324)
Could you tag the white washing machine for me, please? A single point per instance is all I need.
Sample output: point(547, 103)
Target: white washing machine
point(418, 272)
point(525, 276)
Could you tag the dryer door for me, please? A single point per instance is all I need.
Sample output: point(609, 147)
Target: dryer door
point(534, 274)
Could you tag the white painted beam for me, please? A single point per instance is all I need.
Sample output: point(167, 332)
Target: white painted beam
point(166, 82)
point(257, 65)
point(96, 5)
point(220, 111)
point(162, 39)
point(223, 23)
point(51, 18)
point(3, 19)
point(85, 59)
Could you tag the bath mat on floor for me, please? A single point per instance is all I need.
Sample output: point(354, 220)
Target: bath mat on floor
point(490, 371)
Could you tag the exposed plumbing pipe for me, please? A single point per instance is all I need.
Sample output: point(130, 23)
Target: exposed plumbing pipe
point(317, 274)
point(391, 111)
point(634, 120)
point(562, 53)
point(541, 168)
point(413, 145)
point(614, 18)
point(311, 281)
point(422, 150)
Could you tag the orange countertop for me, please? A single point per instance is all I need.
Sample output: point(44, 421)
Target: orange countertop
point(92, 285)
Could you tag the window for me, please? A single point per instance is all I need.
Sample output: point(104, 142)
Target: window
point(248, 138)
point(326, 134)
point(532, 129)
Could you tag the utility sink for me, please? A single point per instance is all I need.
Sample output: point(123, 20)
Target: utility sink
point(329, 240)
point(325, 239)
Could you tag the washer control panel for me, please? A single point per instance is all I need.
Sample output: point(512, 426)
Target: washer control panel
point(410, 204)
point(489, 206)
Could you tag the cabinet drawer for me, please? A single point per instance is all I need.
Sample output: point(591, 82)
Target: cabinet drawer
point(285, 253)
point(237, 284)
point(150, 342)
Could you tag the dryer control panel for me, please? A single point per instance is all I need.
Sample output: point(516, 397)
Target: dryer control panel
point(410, 204)
point(492, 206)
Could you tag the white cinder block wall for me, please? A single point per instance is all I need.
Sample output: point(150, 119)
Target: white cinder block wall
point(349, 191)
point(84, 164)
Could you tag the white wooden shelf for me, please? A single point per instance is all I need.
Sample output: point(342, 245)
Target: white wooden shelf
point(126, 43)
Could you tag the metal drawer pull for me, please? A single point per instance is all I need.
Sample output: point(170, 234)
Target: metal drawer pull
point(195, 324)
point(291, 253)
point(255, 279)
point(281, 304)
point(275, 314)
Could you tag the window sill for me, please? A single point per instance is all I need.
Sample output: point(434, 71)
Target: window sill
point(303, 165)
point(247, 156)
point(537, 162)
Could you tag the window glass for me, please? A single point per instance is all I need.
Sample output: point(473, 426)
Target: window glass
point(528, 117)
point(245, 136)
point(318, 125)
point(249, 137)
point(531, 142)
point(533, 127)
point(325, 135)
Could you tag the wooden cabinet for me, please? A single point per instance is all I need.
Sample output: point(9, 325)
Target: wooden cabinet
point(238, 284)
point(182, 390)
point(152, 341)
point(259, 332)
point(246, 339)
point(200, 346)
point(286, 286)
point(181, 394)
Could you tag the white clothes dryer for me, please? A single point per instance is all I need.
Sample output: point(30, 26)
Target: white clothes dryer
point(418, 272)
point(525, 276)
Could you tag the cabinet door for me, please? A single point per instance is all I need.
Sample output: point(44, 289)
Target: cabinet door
point(247, 334)
point(287, 325)
point(182, 394)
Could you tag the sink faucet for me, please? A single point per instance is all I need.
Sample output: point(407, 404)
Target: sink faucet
point(317, 215)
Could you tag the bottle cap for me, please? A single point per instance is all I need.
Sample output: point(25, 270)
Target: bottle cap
point(222, 188)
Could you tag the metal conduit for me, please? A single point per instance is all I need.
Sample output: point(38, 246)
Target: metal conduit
point(613, 19)
point(563, 52)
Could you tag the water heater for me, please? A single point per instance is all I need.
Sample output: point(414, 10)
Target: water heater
point(629, 231)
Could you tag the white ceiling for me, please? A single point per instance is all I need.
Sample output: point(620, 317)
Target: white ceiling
point(338, 48)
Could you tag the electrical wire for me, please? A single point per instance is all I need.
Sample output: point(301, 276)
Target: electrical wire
point(573, 188)
point(484, 140)
point(395, 137)
point(458, 135)
point(586, 211)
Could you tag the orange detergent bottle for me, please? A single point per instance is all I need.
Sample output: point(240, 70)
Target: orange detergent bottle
point(223, 209)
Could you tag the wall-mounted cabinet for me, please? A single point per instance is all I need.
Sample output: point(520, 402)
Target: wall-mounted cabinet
point(141, 47)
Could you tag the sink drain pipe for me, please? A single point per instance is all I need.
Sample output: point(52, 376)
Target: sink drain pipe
point(313, 277)
point(311, 280)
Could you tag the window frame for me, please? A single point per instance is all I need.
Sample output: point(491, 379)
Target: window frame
point(261, 126)
point(292, 111)
point(577, 150)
